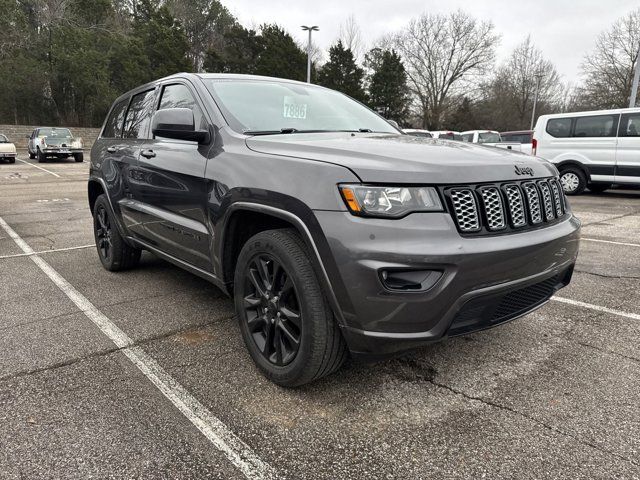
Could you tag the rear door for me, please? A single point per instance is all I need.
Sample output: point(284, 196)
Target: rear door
point(628, 151)
point(172, 186)
point(595, 138)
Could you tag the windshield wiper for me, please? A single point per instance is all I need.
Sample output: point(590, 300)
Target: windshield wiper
point(295, 130)
point(270, 132)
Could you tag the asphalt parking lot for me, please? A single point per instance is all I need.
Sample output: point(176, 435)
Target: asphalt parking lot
point(551, 395)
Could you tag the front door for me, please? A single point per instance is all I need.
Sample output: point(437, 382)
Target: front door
point(172, 188)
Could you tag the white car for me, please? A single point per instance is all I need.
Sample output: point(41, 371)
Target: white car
point(591, 149)
point(447, 135)
point(7, 150)
point(48, 142)
point(417, 132)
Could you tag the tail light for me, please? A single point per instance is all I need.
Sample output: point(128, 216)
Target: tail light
point(534, 145)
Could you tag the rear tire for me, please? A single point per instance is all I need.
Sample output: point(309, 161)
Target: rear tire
point(285, 319)
point(78, 157)
point(599, 187)
point(113, 251)
point(573, 180)
point(12, 160)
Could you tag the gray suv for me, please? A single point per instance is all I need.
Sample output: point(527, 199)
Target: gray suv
point(336, 234)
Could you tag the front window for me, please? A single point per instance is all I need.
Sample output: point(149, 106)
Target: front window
point(488, 137)
point(3, 139)
point(264, 107)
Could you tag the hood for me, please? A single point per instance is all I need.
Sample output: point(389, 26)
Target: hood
point(7, 147)
point(58, 141)
point(383, 158)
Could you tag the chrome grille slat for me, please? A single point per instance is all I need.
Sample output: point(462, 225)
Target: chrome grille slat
point(465, 209)
point(533, 201)
point(547, 202)
point(557, 198)
point(516, 205)
point(493, 208)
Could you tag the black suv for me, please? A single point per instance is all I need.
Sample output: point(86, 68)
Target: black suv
point(335, 233)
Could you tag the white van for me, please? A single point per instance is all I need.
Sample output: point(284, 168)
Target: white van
point(591, 149)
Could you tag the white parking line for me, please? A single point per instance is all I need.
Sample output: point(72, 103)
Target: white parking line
point(610, 241)
point(236, 451)
point(576, 303)
point(38, 166)
point(47, 251)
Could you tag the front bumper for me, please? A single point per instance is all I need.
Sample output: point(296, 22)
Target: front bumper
point(61, 151)
point(477, 274)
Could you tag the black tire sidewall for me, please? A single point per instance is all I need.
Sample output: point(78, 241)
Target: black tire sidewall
point(313, 307)
point(582, 180)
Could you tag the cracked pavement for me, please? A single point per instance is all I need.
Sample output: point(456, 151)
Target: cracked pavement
point(551, 395)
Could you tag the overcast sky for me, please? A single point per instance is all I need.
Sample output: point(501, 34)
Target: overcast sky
point(563, 29)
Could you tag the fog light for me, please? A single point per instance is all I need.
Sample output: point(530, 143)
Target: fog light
point(409, 280)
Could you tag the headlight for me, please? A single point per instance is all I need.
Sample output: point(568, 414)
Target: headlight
point(76, 143)
point(389, 202)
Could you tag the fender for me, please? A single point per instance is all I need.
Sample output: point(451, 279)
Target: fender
point(308, 239)
point(119, 225)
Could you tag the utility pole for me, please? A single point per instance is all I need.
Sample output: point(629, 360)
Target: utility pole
point(636, 77)
point(538, 76)
point(313, 28)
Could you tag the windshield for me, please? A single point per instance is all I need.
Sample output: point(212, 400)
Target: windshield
point(488, 137)
point(3, 139)
point(54, 132)
point(267, 107)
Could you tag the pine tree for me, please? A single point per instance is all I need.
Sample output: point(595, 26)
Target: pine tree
point(388, 92)
point(341, 73)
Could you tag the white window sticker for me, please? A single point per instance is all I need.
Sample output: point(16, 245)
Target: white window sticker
point(293, 109)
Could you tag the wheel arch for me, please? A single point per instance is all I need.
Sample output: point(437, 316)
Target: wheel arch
point(246, 219)
point(573, 163)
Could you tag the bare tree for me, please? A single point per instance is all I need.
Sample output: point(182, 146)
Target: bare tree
point(442, 55)
point(608, 70)
point(350, 35)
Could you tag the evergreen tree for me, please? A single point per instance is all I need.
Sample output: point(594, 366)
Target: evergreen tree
point(342, 73)
point(388, 91)
point(238, 53)
point(280, 56)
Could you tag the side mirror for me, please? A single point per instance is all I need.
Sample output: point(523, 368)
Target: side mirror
point(178, 124)
point(27, 136)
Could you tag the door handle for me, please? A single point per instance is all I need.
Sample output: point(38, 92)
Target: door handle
point(148, 153)
point(112, 149)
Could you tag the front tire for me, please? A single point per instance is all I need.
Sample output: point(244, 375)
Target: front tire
point(31, 155)
point(114, 253)
point(78, 157)
point(41, 157)
point(285, 319)
point(573, 180)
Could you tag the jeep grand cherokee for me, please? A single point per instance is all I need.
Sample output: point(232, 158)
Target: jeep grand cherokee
point(335, 233)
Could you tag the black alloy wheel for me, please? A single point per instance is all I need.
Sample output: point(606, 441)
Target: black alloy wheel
point(103, 233)
point(272, 310)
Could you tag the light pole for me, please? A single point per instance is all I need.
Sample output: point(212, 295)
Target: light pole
point(636, 77)
point(538, 76)
point(306, 28)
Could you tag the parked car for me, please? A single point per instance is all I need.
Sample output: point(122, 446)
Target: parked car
point(591, 149)
point(332, 230)
point(488, 138)
point(523, 137)
point(53, 142)
point(416, 132)
point(447, 135)
point(7, 150)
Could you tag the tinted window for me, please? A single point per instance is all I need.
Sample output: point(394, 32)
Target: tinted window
point(179, 96)
point(467, 137)
point(113, 127)
point(139, 115)
point(488, 137)
point(597, 126)
point(516, 137)
point(559, 127)
point(630, 126)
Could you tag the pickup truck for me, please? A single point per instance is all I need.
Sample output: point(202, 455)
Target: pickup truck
point(47, 142)
point(490, 138)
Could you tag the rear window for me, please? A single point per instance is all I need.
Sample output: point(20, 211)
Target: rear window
point(488, 137)
point(559, 127)
point(113, 127)
point(597, 126)
point(139, 115)
point(516, 137)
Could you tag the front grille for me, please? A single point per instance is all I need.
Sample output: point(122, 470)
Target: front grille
point(490, 310)
point(496, 208)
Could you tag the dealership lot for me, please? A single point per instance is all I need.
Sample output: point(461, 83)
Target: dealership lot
point(552, 395)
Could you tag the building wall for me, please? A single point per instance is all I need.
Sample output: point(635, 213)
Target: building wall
point(18, 133)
